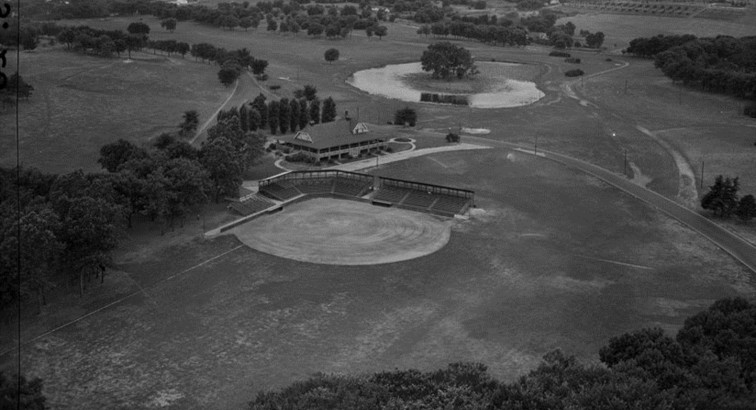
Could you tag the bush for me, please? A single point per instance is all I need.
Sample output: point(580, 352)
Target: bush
point(298, 157)
point(574, 73)
point(572, 60)
point(274, 87)
point(452, 137)
point(405, 115)
point(444, 98)
point(559, 54)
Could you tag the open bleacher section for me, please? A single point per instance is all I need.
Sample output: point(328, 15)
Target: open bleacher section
point(251, 205)
point(435, 199)
point(418, 196)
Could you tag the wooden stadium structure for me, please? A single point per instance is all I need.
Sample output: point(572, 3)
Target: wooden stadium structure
point(277, 191)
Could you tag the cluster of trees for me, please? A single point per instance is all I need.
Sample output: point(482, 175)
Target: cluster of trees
point(709, 364)
point(722, 199)
point(406, 116)
point(284, 115)
point(447, 60)
point(721, 64)
point(487, 33)
point(104, 43)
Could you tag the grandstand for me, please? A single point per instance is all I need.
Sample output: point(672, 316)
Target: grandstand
point(417, 196)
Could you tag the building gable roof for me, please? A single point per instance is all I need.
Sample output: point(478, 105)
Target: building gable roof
point(340, 132)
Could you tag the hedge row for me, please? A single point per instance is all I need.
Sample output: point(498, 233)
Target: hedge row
point(444, 98)
point(574, 73)
point(559, 54)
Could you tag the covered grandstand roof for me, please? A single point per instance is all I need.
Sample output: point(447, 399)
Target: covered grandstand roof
point(340, 132)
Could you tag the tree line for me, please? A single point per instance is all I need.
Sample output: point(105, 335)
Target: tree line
point(71, 223)
point(284, 115)
point(721, 64)
point(708, 364)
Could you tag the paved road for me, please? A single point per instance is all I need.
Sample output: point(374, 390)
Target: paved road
point(731, 243)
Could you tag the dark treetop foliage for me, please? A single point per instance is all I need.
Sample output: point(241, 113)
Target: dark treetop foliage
point(447, 60)
point(709, 365)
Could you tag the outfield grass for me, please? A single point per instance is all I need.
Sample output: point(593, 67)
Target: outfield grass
point(543, 263)
point(80, 103)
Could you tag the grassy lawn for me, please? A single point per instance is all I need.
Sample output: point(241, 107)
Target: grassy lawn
point(81, 103)
point(217, 332)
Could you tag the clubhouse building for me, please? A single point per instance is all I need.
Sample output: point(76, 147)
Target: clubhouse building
point(338, 139)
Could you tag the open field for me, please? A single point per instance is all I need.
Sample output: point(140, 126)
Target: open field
point(526, 274)
point(621, 28)
point(80, 103)
point(550, 258)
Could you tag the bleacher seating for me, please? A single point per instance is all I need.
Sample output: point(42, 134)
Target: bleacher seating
point(283, 191)
point(420, 199)
point(351, 187)
point(391, 194)
point(255, 204)
point(315, 186)
point(450, 204)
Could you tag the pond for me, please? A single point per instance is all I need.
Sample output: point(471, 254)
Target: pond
point(499, 85)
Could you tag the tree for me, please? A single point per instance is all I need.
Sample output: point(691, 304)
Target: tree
point(219, 158)
point(259, 66)
point(293, 115)
point(310, 92)
point(191, 121)
point(315, 29)
point(262, 109)
point(445, 59)
point(304, 114)
point(315, 111)
point(244, 117)
point(115, 154)
point(329, 110)
point(245, 23)
point(134, 42)
point(254, 119)
point(24, 395)
point(405, 115)
point(746, 208)
point(331, 55)
point(169, 24)
point(595, 40)
point(186, 183)
point(283, 115)
point(89, 234)
point(273, 113)
point(722, 198)
point(381, 31)
point(139, 28)
point(15, 84)
point(229, 73)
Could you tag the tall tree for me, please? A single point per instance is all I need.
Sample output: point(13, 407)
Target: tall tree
point(262, 109)
point(139, 28)
point(329, 110)
point(283, 115)
point(315, 111)
point(746, 208)
point(191, 121)
point(244, 117)
point(273, 113)
point(254, 119)
point(219, 158)
point(304, 117)
point(293, 115)
point(722, 198)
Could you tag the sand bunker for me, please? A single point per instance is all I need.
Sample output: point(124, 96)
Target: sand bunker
point(388, 82)
point(341, 232)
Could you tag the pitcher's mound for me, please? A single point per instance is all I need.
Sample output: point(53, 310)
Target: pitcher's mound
point(341, 232)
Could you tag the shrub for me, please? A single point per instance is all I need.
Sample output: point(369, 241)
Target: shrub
point(559, 54)
point(572, 60)
point(574, 73)
point(452, 137)
point(274, 87)
point(298, 157)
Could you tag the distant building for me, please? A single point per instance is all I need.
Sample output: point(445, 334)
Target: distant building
point(338, 139)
